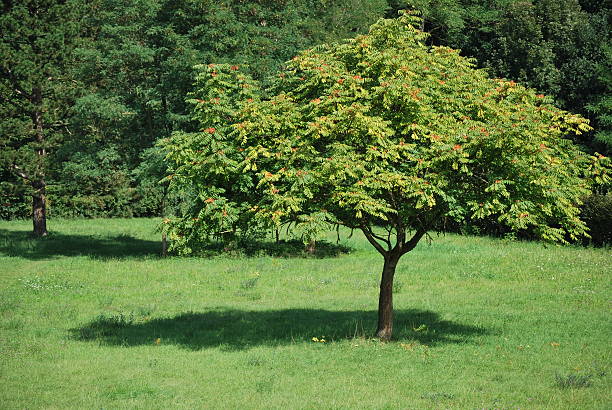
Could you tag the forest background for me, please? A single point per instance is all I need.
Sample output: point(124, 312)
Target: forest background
point(87, 88)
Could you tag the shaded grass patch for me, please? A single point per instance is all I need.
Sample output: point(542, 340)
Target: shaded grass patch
point(18, 243)
point(242, 329)
point(285, 248)
point(56, 245)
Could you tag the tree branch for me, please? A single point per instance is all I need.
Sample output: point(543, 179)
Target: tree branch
point(368, 234)
point(380, 238)
point(412, 243)
point(8, 74)
point(20, 173)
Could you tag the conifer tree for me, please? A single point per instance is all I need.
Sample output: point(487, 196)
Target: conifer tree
point(36, 41)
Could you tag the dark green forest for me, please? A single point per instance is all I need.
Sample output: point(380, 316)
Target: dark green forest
point(87, 88)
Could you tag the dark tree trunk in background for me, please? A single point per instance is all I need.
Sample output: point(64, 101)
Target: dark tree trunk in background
point(164, 251)
point(39, 208)
point(311, 247)
point(39, 200)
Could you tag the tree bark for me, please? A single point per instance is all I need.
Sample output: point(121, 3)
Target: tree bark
point(39, 208)
point(385, 299)
point(39, 200)
point(311, 247)
point(392, 257)
point(164, 251)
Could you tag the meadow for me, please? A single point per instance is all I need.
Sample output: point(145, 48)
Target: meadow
point(92, 317)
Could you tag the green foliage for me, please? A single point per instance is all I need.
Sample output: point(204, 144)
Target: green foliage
point(264, 34)
point(550, 45)
point(205, 172)
point(13, 200)
point(149, 195)
point(602, 106)
point(103, 185)
point(382, 131)
point(115, 75)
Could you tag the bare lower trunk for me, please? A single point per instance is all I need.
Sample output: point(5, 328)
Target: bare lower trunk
point(39, 200)
point(310, 248)
point(392, 257)
point(164, 251)
point(39, 208)
point(385, 300)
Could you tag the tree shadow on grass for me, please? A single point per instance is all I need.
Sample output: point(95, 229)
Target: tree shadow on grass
point(239, 330)
point(23, 244)
point(283, 249)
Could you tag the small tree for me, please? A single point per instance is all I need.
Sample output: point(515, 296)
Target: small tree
point(205, 167)
point(389, 136)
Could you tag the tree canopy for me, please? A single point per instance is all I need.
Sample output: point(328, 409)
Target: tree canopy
point(380, 133)
point(119, 73)
point(553, 46)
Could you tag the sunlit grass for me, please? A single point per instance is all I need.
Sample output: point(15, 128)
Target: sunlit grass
point(92, 317)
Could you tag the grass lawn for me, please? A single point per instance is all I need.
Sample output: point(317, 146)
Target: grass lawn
point(91, 317)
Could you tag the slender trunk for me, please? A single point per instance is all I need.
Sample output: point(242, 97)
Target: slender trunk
point(39, 201)
point(148, 125)
point(385, 300)
point(162, 213)
point(164, 252)
point(310, 248)
point(277, 236)
point(39, 208)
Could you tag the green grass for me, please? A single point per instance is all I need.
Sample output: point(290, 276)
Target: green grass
point(91, 317)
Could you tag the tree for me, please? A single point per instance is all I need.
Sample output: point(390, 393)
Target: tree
point(206, 175)
point(387, 135)
point(37, 39)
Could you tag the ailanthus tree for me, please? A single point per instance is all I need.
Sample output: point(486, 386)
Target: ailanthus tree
point(387, 135)
point(205, 166)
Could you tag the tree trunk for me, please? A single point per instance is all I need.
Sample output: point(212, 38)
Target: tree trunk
point(39, 208)
point(39, 201)
point(164, 251)
point(311, 247)
point(385, 299)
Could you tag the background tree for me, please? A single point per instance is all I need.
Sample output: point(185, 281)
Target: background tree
point(602, 104)
point(392, 137)
point(132, 70)
point(37, 40)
